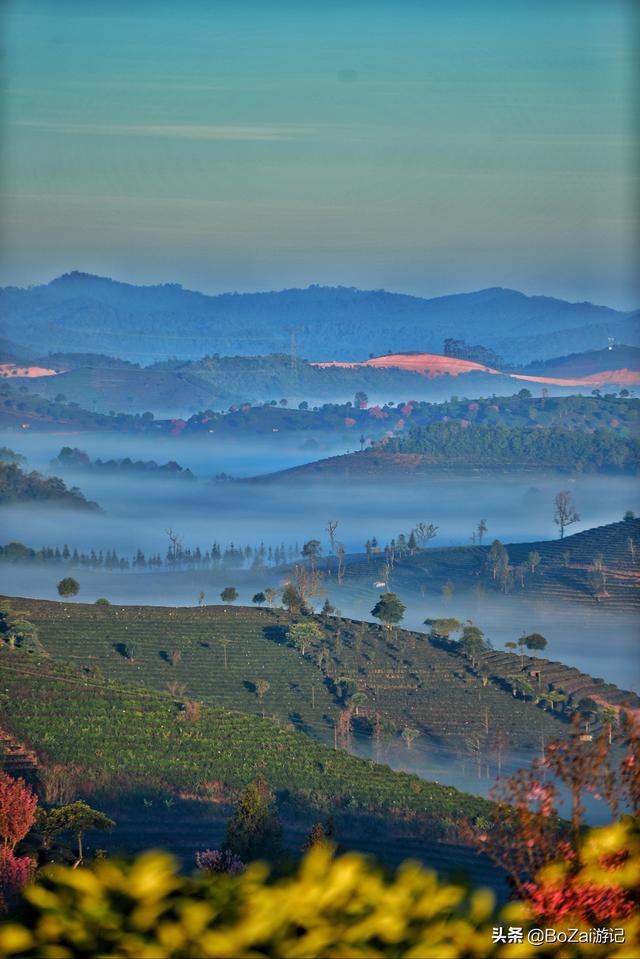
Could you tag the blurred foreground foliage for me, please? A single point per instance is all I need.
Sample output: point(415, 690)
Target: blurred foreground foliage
point(333, 907)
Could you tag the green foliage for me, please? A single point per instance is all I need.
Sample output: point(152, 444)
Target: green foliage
point(302, 635)
point(498, 445)
point(120, 736)
point(535, 642)
point(77, 818)
point(229, 594)
point(292, 600)
point(254, 832)
point(68, 587)
point(442, 628)
point(389, 609)
point(18, 486)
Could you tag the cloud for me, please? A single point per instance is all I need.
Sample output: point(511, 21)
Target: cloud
point(215, 131)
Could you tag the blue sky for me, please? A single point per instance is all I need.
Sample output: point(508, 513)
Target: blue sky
point(425, 147)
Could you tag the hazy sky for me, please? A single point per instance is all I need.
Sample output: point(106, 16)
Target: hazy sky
point(430, 147)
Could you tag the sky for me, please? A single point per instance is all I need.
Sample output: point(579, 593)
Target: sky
point(416, 146)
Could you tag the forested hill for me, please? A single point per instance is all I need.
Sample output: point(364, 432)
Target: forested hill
point(99, 315)
point(457, 445)
point(16, 485)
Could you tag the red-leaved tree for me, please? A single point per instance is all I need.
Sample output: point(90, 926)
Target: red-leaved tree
point(17, 810)
point(15, 872)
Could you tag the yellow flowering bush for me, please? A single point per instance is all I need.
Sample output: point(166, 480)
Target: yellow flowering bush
point(333, 907)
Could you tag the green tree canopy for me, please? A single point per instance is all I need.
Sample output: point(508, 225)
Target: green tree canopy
point(389, 609)
point(77, 818)
point(68, 587)
point(254, 831)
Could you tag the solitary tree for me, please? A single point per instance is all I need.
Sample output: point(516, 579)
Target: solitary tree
point(302, 635)
point(535, 642)
point(311, 550)
point(262, 687)
point(77, 818)
point(425, 532)
point(409, 734)
point(68, 587)
point(254, 832)
point(482, 529)
point(471, 642)
point(270, 595)
point(442, 628)
point(389, 609)
point(533, 560)
point(497, 560)
point(259, 598)
point(17, 810)
point(229, 594)
point(565, 512)
point(587, 708)
point(358, 700)
point(292, 600)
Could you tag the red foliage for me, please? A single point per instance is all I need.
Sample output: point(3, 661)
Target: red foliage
point(349, 421)
point(15, 872)
point(376, 412)
point(551, 902)
point(17, 810)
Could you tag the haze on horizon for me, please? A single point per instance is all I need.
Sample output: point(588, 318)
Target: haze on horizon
point(407, 146)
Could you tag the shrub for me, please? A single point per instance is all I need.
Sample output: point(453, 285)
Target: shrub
point(68, 587)
point(215, 862)
point(331, 907)
point(15, 872)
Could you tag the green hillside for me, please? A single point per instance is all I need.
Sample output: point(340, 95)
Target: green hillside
point(124, 740)
point(222, 652)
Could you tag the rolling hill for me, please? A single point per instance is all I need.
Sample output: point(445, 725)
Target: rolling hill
point(564, 570)
point(79, 311)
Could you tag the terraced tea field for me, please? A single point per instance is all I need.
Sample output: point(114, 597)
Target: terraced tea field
point(563, 573)
point(126, 740)
point(218, 653)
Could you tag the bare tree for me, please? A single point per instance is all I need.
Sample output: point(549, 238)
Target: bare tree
point(482, 529)
point(308, 582)
point(425, 532)
point(332, 526)
point(565, 513)
point(270, 594)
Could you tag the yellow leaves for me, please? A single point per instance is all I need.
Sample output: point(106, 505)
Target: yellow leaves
point(14, 938)
point(332, 909)
point(601, 848)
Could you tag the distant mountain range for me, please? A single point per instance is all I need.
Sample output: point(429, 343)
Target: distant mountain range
point(79, 312)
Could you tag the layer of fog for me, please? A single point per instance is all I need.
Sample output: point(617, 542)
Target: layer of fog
point(138, 511)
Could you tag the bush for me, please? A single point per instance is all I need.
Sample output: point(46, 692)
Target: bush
point(68, 587)
point(331, 907)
